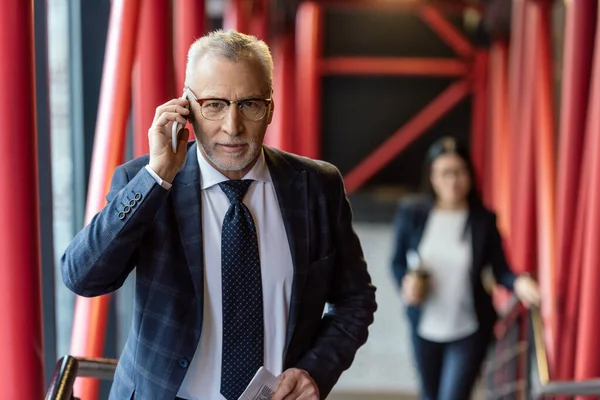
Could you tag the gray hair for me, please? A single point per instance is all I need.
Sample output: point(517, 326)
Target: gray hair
point(233, 46)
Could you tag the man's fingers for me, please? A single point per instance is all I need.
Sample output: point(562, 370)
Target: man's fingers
point(177, 108)
point(286, 387)
point(168, 117)
point(171, 106)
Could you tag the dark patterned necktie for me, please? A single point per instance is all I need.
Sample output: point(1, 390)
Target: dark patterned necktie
point(243, 328)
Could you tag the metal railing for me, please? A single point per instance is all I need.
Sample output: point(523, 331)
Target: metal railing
point(517, 366)
point(68, 368)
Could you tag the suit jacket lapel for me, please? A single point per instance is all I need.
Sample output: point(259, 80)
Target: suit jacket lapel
point(292, 194)
point(187, 206)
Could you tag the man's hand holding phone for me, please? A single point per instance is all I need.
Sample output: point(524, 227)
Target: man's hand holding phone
point(163, 160)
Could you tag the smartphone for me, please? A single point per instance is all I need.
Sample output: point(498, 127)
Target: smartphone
point(175, 129)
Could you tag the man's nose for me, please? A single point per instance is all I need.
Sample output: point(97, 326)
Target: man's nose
point(233, 121)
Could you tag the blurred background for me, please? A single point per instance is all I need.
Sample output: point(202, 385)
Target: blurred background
point(367, 85)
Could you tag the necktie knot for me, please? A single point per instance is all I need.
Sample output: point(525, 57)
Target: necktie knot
point(235, 190)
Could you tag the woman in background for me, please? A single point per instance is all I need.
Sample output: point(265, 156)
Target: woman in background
point(451, 236)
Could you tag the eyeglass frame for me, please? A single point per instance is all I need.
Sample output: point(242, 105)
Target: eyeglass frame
point(266, 102)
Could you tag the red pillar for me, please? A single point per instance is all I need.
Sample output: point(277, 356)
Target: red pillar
point(545, 175)
point(517, 93)
point(153, 78)
point(237, 15)
point(522, 216)
point(89, 322)
point(21, 343)
point(479, 126)
point(283, 127)
point(587, 364)
point(570, 315)
point(260, 20)
point(577, 64)
point(500, 134)
point(308, 53)
point(189, 18)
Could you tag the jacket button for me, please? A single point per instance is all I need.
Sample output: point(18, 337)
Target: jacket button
point(184, 363)
point(132, 203)
point(121, 215)
point(137, 197)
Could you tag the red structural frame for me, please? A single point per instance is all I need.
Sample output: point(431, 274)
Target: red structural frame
point(550, 219)
point(21, 338)
point(400, 139)
point(470, 68)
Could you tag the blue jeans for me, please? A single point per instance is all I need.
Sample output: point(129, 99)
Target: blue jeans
point(448, 371)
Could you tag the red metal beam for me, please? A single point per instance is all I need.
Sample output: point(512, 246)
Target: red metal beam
point(587, 362)
point(545, 175)
point(89, 321)
point(393, 66)
point(446, 31)
point(577, 64)
point(386, 152)
point(189, 24)
point(281, 131)
point(309, 41)
point(152, 66)
point(21, 343)
point(479, 125)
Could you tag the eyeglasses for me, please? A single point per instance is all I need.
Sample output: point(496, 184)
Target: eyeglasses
point(214, 109)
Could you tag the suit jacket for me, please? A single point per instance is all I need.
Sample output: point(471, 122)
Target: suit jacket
point(159, 233)
point(409, 225)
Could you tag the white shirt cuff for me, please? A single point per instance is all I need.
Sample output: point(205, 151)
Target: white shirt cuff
point(166, 185)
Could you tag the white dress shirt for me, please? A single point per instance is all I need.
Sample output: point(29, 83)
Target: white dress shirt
point(448, 313)
point(203, 377)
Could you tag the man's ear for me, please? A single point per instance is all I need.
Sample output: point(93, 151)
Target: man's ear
point(270, 112)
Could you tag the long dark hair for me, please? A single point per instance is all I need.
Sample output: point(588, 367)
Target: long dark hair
point(450, 145)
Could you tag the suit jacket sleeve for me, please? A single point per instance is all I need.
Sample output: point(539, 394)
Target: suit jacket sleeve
point(497, 257)
point(344, 328)
point(401, 227)
point(102, 254)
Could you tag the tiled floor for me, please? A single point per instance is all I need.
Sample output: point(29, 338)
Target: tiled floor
point(384, 364)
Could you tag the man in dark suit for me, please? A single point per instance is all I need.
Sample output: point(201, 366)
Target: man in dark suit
point(237, 247)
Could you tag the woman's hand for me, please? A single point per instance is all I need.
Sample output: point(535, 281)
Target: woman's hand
point(412, 291)
point(527, 290)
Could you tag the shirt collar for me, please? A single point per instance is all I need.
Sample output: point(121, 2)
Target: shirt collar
point(210, 176)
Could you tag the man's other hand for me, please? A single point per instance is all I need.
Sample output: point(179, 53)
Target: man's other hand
point(296, 384)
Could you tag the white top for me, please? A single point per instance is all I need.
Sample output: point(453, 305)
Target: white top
point(203, 378)
point(448, 313)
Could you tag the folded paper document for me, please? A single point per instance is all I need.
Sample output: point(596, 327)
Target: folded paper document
point(262, 387)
